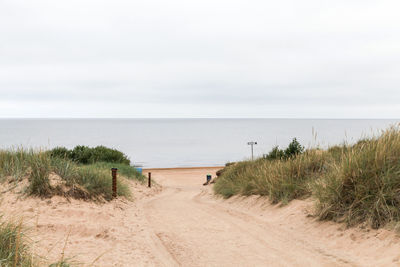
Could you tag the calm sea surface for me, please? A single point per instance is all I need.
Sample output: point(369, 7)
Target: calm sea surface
point(184, 142)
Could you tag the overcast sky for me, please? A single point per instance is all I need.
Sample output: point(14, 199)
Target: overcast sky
point(208, 58)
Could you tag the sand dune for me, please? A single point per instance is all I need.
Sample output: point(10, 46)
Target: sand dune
point(181, 223)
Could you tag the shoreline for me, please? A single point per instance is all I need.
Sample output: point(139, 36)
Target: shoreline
point(183, 168)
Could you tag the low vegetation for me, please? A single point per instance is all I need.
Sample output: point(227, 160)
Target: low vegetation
point(82, 173)
point(293, 149)
point(78, 180)
point(88, 155)
point(123, 169)
point(364, 186)
point(355, 184)
point(13, 246)
point(281, 180)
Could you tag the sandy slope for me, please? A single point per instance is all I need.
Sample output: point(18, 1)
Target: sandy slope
point(108, 234)
point(198, 229)
point(185, 225)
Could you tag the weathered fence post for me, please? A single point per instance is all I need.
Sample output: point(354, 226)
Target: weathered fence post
point(149, 179)
point(114, 182)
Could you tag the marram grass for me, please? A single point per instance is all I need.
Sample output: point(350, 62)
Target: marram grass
point(281, 180)
point(14, 250)
point(91, 181)
point(350, 183)
point(15, 247)
point(364, 186)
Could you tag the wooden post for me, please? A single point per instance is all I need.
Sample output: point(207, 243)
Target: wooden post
point(114, 182)
point(149, 179)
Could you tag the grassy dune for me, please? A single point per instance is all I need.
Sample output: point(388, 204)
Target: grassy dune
point(364, 185)
point(350, 183)
point(281, 180)
point(81, 174)
point(87, 181)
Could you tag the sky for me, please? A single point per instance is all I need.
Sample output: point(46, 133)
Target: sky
point(200, 59)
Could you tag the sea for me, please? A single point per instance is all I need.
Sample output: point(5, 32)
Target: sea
point(168, 143)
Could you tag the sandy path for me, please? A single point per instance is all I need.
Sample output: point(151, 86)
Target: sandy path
point(181, 223)
point(197, 229)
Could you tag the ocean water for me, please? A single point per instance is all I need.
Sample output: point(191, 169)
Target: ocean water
point(184, 142)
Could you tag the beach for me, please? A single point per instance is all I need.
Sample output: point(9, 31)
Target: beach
point(199, 133)
point(179, 222)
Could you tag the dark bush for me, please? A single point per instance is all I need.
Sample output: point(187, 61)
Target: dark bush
point(294, 149)
point(102, 153)
point(275, 153)
point(81, 154)
point(88, 155)
point(60, 152)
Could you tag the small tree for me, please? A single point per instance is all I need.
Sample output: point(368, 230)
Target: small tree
point(293, 149)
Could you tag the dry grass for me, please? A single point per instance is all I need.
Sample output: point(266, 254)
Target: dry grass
point(14, 248)
point(91, 181)
point(354, 184)
point(364, 186)
point(281, 180)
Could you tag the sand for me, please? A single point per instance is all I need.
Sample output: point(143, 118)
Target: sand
point(179, 222)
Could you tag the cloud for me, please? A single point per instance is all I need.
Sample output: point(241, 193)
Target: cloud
point(199, 58)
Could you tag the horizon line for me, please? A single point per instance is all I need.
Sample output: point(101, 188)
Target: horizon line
point(200, 118)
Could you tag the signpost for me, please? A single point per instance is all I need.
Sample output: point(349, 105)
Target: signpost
point(252, 143)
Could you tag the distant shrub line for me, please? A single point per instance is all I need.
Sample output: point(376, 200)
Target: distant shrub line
point(355, 184)
point(88, 155)
point(293, 149)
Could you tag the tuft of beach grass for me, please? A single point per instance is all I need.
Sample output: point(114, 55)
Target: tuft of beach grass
point(354, 184)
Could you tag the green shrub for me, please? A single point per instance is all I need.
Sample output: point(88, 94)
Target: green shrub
point(104, 154)
point(293, 149)
point(60, 152)
point(81, 154)
point(87, 155)
point(275, 153)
